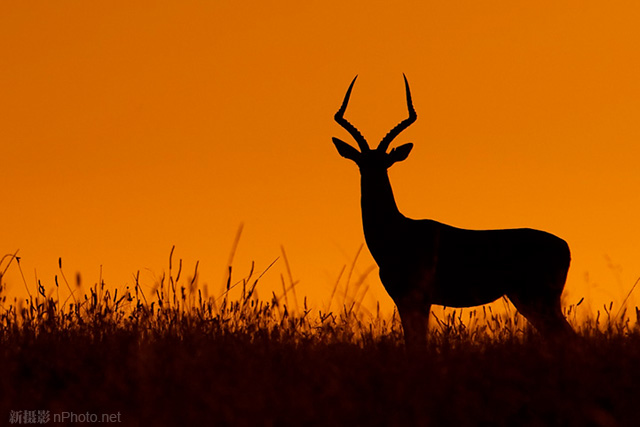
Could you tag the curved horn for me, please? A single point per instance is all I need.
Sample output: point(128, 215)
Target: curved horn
point(384, 144)
point(339, 117)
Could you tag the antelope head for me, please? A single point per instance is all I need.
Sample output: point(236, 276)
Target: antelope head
point(366, 158)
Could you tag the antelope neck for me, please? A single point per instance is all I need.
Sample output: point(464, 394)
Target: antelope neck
point(379, 209)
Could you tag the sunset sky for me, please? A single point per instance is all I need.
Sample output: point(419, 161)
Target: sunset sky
point(129, 127)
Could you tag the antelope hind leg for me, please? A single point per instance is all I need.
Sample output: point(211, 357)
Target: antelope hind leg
point(545, 314)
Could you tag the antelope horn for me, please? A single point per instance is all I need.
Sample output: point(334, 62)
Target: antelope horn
point(339, 117)
point(384, 144)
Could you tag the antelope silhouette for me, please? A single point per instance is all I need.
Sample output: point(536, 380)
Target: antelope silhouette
point(425, 262)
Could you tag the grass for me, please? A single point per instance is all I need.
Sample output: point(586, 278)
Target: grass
point(177, 357)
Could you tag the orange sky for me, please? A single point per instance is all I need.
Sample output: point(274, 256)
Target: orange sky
point(127, 128)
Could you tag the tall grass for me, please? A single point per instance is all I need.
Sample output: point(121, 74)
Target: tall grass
point(176, 355)
point(176, 303)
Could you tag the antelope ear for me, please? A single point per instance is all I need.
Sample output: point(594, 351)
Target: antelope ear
point(400, 153)
point(345, 150)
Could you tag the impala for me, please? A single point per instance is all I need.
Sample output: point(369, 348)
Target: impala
point(424, 262)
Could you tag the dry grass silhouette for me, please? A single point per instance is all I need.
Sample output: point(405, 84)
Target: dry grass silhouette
point(178, 357)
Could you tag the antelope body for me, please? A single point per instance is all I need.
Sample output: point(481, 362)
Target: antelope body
point(424, 262)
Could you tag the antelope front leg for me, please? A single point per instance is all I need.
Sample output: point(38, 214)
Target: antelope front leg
point(415, 322)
